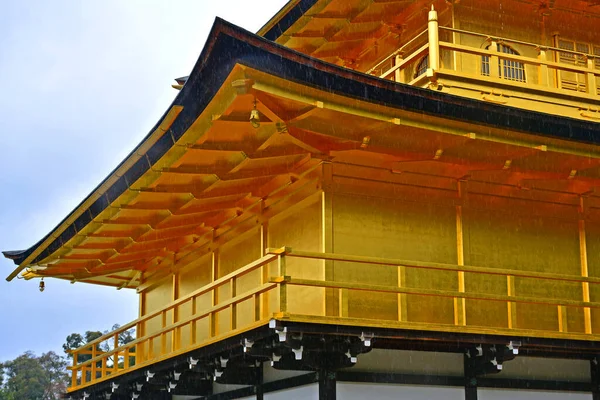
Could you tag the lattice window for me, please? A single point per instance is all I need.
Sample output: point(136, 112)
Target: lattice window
point(571, 80)
point(422, 66)
point(507, 69)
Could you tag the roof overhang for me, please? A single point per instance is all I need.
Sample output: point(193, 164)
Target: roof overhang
point(203, 170)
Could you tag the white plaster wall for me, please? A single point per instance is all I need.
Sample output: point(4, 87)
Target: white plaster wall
point(308, 392)
point(511, 394)
point(361, 391)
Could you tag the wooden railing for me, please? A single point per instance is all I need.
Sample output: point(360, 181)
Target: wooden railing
point(544, 67)
point(139, 353)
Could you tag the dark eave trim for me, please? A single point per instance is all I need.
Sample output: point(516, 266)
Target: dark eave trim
point(289, 19)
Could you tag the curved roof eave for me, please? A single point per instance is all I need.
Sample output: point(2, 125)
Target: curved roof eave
point(228, 45)
point(285, 18)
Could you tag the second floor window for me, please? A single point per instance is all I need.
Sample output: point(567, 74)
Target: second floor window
point(422, 66)
point(507, 69)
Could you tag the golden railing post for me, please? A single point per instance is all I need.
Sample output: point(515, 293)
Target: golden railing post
point(103, 367)
point(74, 371)
point(544, 77)
point(213, 317)
point(233, 306)
point(261, 301)
point(163, 336)
point(591, 77)
point(139, 348)
point(587, 313)
point(402, 304)
point(434, 43)
point(94, 371)
point(562, 319)
point(460, 307)
point(126, 359)
point(116, 355)
point(494, 60)
point(150, 353)
point(281, 270)
point(512, 306)
point(193, 323)
point(399, 74)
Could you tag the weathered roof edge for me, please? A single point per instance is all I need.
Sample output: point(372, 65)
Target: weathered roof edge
point(228, 45)
point(289, 14)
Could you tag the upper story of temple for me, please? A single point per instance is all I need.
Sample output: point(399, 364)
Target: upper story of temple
point(541, 55)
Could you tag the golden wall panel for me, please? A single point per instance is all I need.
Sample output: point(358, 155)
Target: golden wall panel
point(191, 279)
point(156, 299)
point(301, 230)
point(233, 255)
point(388, 228)
point(501, 239)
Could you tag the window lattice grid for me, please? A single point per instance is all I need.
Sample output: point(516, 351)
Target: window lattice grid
point(422, 66)
point(507, 69)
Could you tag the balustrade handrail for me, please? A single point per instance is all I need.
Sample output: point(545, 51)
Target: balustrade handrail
point(535, 45)
point(405, 61)
point(441, 266)
point(221, 306)
point(519, 58)
point(217, 283)
point(474, 50)
point(432, 292)
point(395, 53)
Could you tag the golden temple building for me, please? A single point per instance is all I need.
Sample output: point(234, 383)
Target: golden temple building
point(367, 198)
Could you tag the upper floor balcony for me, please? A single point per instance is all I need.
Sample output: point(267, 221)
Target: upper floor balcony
point(562, 80)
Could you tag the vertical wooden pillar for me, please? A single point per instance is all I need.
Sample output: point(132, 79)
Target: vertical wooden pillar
point(214, 319)
point(587, 313)
point(591, 77)
point(460, 309)
point(470, 380)
point(595, 378)
point(263, 308)
point(327, 385)
point(544, 77)
point(434, 41)
point(512, 307)
point(399, 74)
point(331, 295)
point(456, 39)
point(281, 271)
point(260, 392)
point(175, 334)
point(402, 304)
point(141, 327)
point(494, 60)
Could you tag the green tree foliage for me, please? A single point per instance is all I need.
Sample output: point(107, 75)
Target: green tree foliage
point(29, 377)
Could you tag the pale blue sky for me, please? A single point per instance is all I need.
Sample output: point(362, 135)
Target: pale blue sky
point(81, 83)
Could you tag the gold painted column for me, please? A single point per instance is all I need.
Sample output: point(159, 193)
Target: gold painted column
point(460, 309)
point(333, 305)
point(587, 314)
point(214, 319)
point(262, 309)
point(434, 42)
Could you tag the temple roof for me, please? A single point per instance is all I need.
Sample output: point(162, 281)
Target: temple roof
point(203, 167)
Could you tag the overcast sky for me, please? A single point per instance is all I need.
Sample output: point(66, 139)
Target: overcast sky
point(81, 83)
